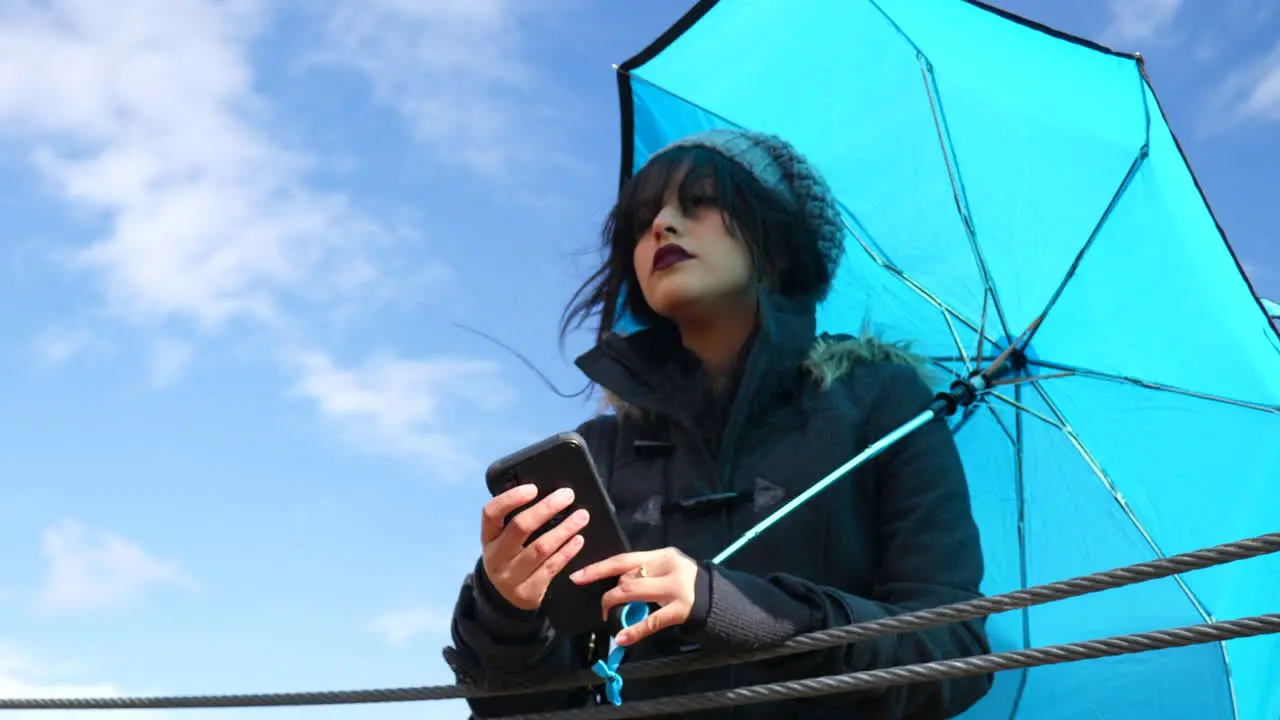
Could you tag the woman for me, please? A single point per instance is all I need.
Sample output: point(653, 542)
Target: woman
point(726, 405)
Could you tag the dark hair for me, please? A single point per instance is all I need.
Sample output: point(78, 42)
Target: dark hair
point(783, 247)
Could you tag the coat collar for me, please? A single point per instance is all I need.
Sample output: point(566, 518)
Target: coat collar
point(650, 370)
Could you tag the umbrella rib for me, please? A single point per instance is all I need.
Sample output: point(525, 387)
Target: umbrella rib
point(964, 356)
point(971, 409)
point(1004, 427)
point(947, 311)
point(1146, 106)
point(1128, 380)
point(1109, 484)
point(953, 167)
point(1019, 479)
point(1061, 424)
point(969, 412)
point(941, 363)
point(1015, 440)
point(958, 359)
point(1021, 407)
point(1138, 161)
point(957, 185)
point(982, 327)
point(1005, 382)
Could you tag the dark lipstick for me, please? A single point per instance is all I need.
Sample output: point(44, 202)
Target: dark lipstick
point(669, 255)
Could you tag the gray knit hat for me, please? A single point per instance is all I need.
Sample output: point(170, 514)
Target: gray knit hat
point(778, 165)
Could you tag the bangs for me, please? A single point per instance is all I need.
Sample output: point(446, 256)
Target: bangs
point(697, 177)
point(783, 246)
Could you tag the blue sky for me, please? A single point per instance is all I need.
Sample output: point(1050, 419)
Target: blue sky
point(243, 446)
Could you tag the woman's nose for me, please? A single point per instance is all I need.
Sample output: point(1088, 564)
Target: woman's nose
point(664, 225)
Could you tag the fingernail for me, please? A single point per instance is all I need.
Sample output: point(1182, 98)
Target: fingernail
point(528, 490)
point(579, 517)
point(579, 575)
point(623, 638)
point(563, 495)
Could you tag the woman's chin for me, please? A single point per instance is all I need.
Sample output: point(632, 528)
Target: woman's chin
point(674, 296)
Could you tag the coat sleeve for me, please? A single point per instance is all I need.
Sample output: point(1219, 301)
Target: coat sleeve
point(497, 644)
point(929, 556)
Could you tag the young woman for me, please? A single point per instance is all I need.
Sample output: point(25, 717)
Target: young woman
point(727, 404)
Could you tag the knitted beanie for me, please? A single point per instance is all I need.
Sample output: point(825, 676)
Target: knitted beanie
point(778, 165)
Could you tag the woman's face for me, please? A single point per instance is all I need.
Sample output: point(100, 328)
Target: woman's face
point(691, 264)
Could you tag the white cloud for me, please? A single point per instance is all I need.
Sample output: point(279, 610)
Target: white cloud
point(1139, 21)
point(92, 569)
point(169, 360)
point(149, 124)
point(1248, 94)
point(58, 345)
point(150, 127)
point(457, 72)
point(1255, 272)
point(23, 676)
point(1261, 80)
point(403, 406)
point(401, 626)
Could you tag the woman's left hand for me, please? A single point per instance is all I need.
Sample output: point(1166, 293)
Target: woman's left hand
point(667, 577)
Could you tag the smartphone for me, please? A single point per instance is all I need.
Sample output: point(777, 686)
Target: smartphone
point(561, 461)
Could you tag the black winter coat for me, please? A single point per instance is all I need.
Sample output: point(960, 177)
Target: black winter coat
point(893, 536)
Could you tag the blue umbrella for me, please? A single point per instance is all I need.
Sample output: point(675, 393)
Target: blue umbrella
point(1003, 180)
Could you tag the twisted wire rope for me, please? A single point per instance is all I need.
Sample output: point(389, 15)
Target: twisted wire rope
point(932, 617)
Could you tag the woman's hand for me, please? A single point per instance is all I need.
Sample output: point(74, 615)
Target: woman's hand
point(521, 574)
point(667, 577)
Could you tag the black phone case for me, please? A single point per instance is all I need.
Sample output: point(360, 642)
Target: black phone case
point(563, 460)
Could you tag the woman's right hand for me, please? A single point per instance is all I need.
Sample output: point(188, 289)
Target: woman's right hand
point(522, 574)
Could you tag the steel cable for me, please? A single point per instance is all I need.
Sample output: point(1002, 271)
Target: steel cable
point(976, 608)
point(980, 607)
point(928, 672)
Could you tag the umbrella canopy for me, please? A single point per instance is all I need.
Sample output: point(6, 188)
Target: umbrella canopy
point(995, 176)
point(1272, 308)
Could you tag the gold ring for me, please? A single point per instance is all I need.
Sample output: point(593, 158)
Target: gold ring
point(644, 572)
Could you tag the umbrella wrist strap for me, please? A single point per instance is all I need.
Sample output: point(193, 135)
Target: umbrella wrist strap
point(632, 613)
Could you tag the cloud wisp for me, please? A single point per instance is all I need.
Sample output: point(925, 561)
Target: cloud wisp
point(94, 570)
point(1134, 22)
point(458, 73)
point(203, 222)
point(149, 126)
point(399, 627)
point(23, 675)
point(393, 405)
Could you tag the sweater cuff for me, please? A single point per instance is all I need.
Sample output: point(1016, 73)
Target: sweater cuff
point(745, 612)
point(697, 620)
point(497, 615)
